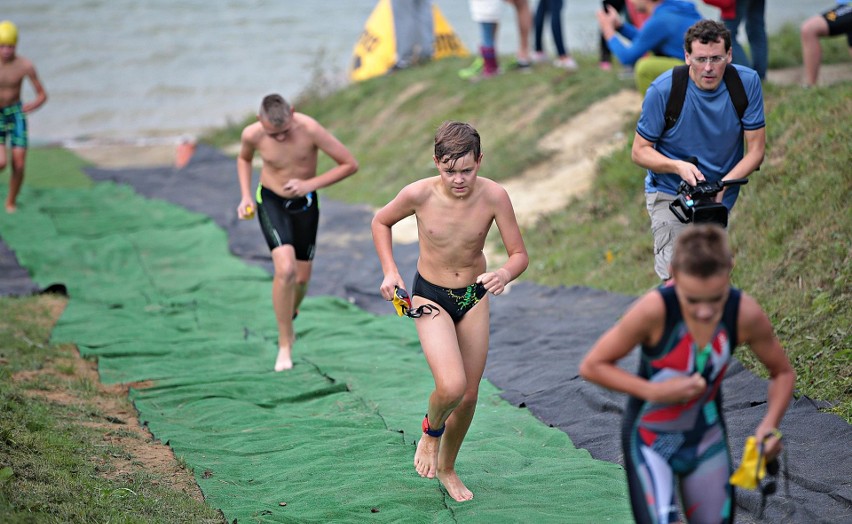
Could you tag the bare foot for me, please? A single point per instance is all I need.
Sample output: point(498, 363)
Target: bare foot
point(283, 362)
point(426, 456)
point(11, 208)
point(454, 486)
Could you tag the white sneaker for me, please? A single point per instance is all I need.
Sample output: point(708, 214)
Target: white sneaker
point(538, 57)
point(566, 63)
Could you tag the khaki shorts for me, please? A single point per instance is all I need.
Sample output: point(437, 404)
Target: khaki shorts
point(665, 227)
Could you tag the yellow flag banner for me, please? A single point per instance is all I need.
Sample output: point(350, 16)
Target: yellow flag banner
point(375, 51)
point(447, 42)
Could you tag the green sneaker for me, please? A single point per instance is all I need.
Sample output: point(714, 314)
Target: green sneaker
point(473, 69)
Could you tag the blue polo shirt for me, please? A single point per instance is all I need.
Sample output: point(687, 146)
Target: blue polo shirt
point(708, 129)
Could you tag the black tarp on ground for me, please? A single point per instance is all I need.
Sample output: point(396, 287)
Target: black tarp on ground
point(15, 281)
point(539, 335)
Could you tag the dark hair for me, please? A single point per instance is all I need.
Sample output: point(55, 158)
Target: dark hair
point(702, 251)
point(453, 140)
point(275, 109)
point(706, 31)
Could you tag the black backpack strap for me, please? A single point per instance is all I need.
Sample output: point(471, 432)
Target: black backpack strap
point(680, 79)
point(736, 90)
point(674, 105)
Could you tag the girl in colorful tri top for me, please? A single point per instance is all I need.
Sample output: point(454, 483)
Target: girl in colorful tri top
point(673, 434)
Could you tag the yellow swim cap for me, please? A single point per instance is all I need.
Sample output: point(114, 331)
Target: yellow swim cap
point(8, 33)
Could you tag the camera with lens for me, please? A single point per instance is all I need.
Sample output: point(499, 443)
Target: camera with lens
point(698, 203)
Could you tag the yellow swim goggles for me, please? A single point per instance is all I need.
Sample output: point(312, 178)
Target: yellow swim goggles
point(402, 304)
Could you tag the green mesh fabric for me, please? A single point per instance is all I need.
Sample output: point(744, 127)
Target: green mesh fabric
point(155, 295)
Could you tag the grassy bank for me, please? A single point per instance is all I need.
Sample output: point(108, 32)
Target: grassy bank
point(71, 460)
point(792, 229)
point(66, 456)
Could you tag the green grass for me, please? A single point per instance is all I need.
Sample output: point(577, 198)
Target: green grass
point(54, 167)
point(54, 465)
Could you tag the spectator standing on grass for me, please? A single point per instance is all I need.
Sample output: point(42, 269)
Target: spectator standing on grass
point(552, 10)
point(832, 22)
point(753, 13)
point(620, 7)
point(414, 32)
point(486, 13)
point(523, 15)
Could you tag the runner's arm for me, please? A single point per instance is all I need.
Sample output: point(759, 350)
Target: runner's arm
point(41, 94)
point(334, 148)
point(244, 170)
point(504, 216)
point(756, 331)
point(400, 207)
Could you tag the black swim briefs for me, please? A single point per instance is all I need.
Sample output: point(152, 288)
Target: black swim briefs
point(456, 302)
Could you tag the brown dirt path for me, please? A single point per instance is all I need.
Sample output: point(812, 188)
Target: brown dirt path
point(109, 412)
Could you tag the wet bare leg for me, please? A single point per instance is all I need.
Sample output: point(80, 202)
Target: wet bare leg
point(283, 298)
point(473, 342)
point(438, 338)
point(16, 177)
point(457, 426)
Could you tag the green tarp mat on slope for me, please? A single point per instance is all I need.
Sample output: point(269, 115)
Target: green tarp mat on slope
point(156, 296)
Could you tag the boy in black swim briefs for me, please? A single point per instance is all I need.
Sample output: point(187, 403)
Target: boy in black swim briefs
point(286, 200)
point(834, 21)
point(454, 212)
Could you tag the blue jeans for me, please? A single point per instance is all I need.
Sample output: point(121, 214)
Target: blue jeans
point(552, 8)
point(753, 12)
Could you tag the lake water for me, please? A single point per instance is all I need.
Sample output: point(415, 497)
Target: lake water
point(123, 69)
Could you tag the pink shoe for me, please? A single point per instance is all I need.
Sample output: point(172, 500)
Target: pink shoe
point(485, 74)
point(605, 66)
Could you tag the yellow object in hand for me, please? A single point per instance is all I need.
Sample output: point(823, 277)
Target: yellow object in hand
point(752, 468)
point(249, 213)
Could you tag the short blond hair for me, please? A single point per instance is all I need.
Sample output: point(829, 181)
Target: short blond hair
point(275, 109)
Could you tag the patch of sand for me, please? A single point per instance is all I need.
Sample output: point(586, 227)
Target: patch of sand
point(110, 412)
point(143, 152)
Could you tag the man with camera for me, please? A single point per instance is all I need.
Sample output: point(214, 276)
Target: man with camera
point(703, 145)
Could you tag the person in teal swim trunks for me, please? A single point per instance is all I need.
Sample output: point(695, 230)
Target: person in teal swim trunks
point(14, 68)
point(454, 211)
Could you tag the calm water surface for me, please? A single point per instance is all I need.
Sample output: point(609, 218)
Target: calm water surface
point(127, 69)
